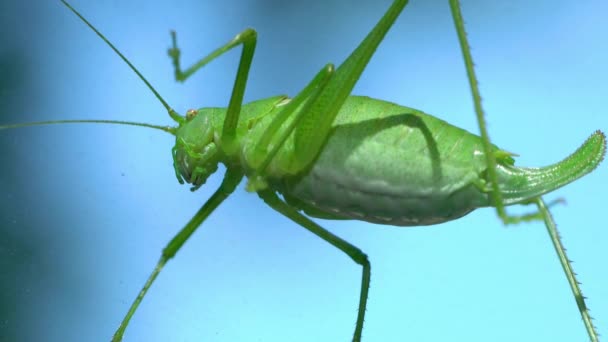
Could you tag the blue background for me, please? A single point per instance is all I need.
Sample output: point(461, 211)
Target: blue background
point(87, 209)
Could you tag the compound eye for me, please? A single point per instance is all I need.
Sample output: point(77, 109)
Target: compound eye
point(190, 114)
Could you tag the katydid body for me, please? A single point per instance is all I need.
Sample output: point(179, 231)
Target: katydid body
point(337, 156)
point(430, 171)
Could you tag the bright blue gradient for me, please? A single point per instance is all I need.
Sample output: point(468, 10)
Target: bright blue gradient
point(86, 210)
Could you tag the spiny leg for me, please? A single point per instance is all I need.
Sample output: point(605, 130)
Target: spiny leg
point(543, 212)
point(231, 179)
point(565, 262)
point(248, 38)
point(494, 190)
point(487, 147)
point(353, 252)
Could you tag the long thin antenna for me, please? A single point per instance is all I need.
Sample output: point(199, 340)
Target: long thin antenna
point(167, 129)
point(172, 113)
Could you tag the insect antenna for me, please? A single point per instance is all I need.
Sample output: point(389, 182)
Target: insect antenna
point(167, 129)
point(172, 113)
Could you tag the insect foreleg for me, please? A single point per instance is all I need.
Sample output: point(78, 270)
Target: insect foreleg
point(248, 38)
point(353, 252)
point(231, 179)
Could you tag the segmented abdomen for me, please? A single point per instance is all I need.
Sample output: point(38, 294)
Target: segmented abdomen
point(390, 164)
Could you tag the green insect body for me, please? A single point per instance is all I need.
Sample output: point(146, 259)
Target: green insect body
point(336, 156)
point(382, 163)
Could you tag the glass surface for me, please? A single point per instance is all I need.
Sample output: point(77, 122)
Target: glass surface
point(86, 209)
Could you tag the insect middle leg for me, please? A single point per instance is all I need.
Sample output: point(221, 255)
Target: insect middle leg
point(353, 252)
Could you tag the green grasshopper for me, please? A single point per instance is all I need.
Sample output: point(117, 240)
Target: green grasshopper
point(295, 146)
